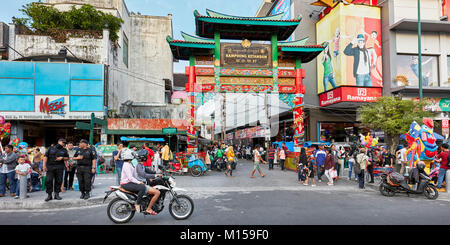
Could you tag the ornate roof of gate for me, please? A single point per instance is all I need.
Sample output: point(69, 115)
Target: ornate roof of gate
point(237, 27)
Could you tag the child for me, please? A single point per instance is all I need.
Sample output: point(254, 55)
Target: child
point(310, 173)
point(22, 169)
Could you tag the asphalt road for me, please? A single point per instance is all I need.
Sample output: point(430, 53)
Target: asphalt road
point(260, 201)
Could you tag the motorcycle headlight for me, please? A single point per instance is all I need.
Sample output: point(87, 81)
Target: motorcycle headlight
point(172, 182)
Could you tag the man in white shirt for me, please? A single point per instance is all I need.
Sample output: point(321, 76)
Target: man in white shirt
point(401, 157)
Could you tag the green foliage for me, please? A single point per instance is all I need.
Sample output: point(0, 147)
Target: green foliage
point(44, 19)
point(392, 115)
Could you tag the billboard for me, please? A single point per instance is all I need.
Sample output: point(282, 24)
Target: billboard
point(283, 6)
point(353, 55)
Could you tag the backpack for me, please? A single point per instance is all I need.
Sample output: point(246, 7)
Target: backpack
point(357, 166)
point(448, 159)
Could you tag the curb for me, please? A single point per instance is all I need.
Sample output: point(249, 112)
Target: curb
point(53, 204)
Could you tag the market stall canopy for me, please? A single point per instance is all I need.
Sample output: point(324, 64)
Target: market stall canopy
point(311, 143)
point(238, 27)
point(123, 138)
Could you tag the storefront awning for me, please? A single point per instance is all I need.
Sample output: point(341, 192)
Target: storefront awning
point(123, 138)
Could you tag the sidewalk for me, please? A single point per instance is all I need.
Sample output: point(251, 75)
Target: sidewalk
point(69, 198)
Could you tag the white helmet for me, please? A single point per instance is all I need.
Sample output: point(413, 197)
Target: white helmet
point(127, 154)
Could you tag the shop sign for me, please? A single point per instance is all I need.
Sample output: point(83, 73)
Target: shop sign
point(436, 104)
point(245, 55)
point(445, 127)
point(51, 108)
point(349, 94)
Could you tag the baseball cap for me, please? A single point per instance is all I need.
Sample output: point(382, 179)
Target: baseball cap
point(62, 139)
point(84, 141)
point(360, 36)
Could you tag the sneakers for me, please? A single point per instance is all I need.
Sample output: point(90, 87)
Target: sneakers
point(320, 181)
point(305, 184)
point(16, 197)
point(330, 184)
point(313, 185)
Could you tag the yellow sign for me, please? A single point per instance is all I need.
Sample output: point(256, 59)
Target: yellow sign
point(353, 55)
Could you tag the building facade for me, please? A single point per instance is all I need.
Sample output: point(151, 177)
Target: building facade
point(136, 71)
point(400, 54)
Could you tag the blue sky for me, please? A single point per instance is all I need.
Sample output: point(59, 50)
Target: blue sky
point(181, 10)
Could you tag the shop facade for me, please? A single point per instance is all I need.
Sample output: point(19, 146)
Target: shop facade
point(43, 101)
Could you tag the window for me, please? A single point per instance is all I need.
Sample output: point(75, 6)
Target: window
point(447, 82)
point(125, 49)
point(407, 71)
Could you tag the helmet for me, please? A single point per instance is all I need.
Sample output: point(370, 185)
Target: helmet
point(127, 154)
point(142, 155)
point(421, 166)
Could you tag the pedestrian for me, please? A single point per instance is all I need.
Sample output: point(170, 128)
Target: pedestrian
point(208, 160)
point(248, 153)
point(8, 163)
point(302, 164)
point(229, 153)
point(443, 159)
point(118, 162)
point(86, 167)
point(98, 159)
point(319, 159)
point(351, 162)
point(282, 157)
point(257, 159)
point(402, 158)
point(166, 155)
point(336, 157)
point(70, 172)
point(37, 156)
point(329, 165)
point(53, 165)
point(150, 155)
point(271, 156)
point(363, 160)
point(23, 171)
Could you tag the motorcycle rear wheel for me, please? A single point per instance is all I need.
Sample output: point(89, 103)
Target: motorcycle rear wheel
point(386, 191)
point(124, 206)
point(184, 211)
point(431, 192)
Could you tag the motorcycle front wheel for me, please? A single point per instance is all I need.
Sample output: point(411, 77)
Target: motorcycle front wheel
point(431, 192)
point(386, 191)
point(183, 210)
point(120, 211)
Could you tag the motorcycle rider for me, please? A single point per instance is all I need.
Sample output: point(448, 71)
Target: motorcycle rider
point(130, 182)
point(146, 174)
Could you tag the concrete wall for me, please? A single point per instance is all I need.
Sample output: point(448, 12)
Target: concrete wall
point(429, 9)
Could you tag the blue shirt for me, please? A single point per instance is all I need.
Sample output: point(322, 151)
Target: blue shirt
point(119, 163)
point(320, 157)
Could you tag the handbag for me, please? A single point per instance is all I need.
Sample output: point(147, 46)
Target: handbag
point(333, 173)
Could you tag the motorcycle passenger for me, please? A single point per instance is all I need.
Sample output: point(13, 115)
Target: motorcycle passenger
point(146, 174)
point(129, 179)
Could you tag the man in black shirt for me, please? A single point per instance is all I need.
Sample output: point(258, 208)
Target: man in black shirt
point(86, 166)
point(54, 163)
point(388, 158)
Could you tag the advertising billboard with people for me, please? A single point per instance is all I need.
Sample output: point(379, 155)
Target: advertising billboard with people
point(353, 55)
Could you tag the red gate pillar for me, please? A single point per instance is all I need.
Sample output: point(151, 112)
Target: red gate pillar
point(191, 132)
point(298, 105)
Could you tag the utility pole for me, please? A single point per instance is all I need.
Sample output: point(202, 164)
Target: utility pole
point(224, 116)
point(419, 44)
point(267, 124)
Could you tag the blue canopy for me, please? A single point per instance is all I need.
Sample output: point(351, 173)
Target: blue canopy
point(310, 143)
point(123, 138)
point(288, 144)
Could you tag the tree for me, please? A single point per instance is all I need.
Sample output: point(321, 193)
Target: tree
point(47, 19)
point(393, 116)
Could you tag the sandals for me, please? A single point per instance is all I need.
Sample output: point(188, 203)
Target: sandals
point(150, 213)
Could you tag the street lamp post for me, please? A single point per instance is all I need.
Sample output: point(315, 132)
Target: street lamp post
point(419, 34)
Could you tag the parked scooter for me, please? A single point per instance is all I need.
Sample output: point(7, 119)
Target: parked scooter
point(397, 183)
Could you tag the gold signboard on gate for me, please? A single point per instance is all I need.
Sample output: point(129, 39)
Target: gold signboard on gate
point(245, 55)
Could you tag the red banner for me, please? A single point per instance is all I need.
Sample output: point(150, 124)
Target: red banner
point(349, 94)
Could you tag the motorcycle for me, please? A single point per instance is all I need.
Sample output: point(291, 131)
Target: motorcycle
point(388, 187)
point(121, 209)
point(221, 163)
